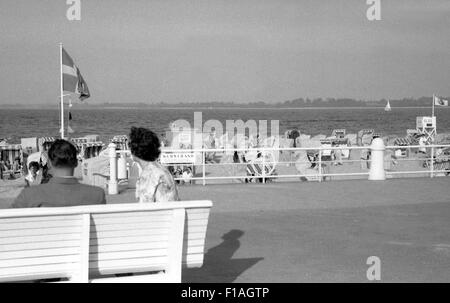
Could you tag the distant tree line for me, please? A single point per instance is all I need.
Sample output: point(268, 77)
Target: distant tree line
point(296, 103)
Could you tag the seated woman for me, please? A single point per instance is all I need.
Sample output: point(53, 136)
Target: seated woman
point(155, 183)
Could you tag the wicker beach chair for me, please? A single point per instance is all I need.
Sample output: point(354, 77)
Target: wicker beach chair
point(257, 166)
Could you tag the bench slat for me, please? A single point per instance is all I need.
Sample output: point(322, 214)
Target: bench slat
point(195, 249)
point(39, 245)
point(132, 254)
point(127, 233)
point(40, 231)
point(198, 222)
point(39, 219)
point(130, 226)
point(195, 229)
point(197, 216)
point(200, 210)
point(97, 273)
point(194, 236)
point(39, 261)
point(27, 273)
point(38, 225)
point(40, 253)
point(103, 265)
point(40, 238)
point(95, 241)
point(193, 260)
point(127, 247)
point(135, 214)
point(142, 219)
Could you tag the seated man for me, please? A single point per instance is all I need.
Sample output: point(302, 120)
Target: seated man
point(63, 189)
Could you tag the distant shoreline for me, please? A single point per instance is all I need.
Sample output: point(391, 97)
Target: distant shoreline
point(83, 107)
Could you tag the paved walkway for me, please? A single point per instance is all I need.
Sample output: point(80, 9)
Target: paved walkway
point(324, 232)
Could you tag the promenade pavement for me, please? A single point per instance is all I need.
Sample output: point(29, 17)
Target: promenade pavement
point(322, 232)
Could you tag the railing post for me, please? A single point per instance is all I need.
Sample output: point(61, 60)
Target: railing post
point(113, 188)
point(320, 165)
point(376, 172)
point(432, 162)
point(263, 165)
point(203, 166)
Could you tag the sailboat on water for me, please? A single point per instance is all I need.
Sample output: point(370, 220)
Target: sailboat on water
point(388, 107)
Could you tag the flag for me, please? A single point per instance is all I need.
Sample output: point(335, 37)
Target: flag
point(439, 101)
point(72, 80)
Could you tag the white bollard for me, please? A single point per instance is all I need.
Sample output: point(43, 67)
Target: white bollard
point(376, 172)
point(122, 167)
point(113, 188)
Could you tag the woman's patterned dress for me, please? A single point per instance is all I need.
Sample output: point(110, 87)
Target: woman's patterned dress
point(155, 184)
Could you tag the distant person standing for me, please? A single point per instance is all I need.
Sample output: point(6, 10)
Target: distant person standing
point(422, 144)
point(155, 183)
point(16, 165)
point(63, 189)
point(34, 176)
point(294, 134)
point(212, 138)
point(164, 141)
point(1, 170)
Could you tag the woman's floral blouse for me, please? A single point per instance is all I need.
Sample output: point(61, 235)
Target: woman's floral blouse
point(155, 184)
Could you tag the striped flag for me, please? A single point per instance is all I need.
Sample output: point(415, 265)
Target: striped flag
point(72, 80)
point(439, 101)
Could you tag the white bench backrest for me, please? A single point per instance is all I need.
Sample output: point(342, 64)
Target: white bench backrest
point(195, 236)
point(84, 242)
point(41, 247)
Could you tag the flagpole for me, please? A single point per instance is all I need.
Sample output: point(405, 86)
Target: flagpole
point(62, 90)
point(432, 111)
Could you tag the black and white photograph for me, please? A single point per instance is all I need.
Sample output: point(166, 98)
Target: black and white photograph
point(226, 142)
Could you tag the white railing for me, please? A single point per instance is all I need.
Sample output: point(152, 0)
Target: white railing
point(287, 165)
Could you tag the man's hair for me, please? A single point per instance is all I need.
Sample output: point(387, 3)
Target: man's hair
point(62, 153)
point(144, 144)
point(33, 164)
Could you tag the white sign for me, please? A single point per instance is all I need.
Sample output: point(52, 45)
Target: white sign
point(177, 158)
point(423, 122)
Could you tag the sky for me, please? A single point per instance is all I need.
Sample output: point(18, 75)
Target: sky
point(226, 50)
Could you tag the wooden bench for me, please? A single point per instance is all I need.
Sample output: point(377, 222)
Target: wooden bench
point(103, 243)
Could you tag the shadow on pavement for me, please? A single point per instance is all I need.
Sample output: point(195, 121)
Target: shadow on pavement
point(218, 265)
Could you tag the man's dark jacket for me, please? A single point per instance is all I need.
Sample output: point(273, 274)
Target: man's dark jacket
point(60, 192)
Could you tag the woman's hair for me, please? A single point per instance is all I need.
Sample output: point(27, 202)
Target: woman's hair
point(62, 153)
point(144, 144)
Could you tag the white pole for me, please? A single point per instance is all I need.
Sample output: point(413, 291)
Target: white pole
point(377, 171)
point(203, 166)
point(320, 164)
point(263, 164)
point(113, 188)
point(432, 161)
point(62, 90)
